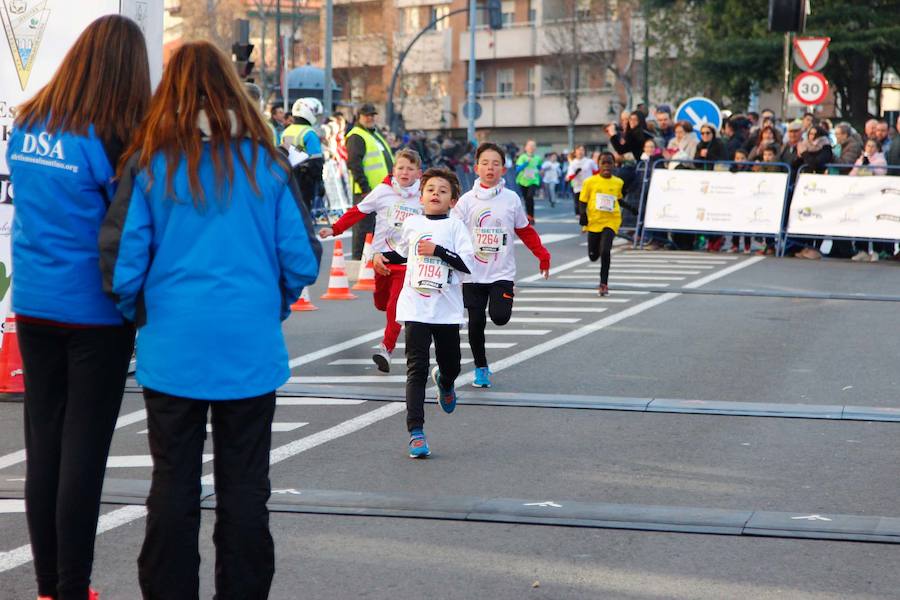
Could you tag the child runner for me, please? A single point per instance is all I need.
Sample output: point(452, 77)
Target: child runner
point(601, 215)
point(491, 212)
point(528, 176)
point(431, 303)
point(393, 201)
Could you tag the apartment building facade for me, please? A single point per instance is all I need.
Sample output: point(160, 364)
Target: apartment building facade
point(549, 56)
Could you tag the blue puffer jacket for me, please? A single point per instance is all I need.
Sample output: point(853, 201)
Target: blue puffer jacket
point(63, 185)
point(208, 287)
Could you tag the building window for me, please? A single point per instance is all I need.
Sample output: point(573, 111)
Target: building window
point(533, 11)
point(505, 80)
point(479, 84)
point(582, 9)
point(354, 23)
point(436, 13)
point(409, 20)
point(531, 80)
point(508, 11)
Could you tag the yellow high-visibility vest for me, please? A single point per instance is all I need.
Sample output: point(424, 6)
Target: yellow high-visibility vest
point(294, 135)
point(374, 165)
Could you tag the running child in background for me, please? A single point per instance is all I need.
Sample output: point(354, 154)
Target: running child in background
point(580, 168)
point(435, 247)
point(492, 213)
point(528, 176)
point(601, 215)
point(393, 201)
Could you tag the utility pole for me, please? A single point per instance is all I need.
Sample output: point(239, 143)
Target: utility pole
point(647, 54)
point(279, 58)
point(470, 99)
point(327, 100)
point(786, 82)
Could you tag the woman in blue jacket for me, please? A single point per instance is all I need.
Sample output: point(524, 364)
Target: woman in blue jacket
point(205, 247)
point(75, 345)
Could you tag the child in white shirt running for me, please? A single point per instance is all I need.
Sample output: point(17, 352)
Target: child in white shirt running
point(492, 214)
point(393, 201)
point(436, 249)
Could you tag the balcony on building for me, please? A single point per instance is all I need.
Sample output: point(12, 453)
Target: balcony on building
point(539, 39)
point(368, 50)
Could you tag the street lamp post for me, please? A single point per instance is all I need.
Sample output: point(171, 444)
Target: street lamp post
point(327, 99)
point(470, 97)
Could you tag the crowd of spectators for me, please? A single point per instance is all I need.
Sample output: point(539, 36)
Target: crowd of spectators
point(639, 139)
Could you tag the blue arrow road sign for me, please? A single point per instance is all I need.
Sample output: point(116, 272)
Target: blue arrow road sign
point(699, 111)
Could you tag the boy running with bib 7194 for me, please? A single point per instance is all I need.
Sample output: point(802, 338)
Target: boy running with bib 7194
point(492, 214)
point(436, 248)
point(393, 201)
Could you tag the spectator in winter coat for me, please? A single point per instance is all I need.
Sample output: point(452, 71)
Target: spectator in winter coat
point(851, 146)
point(788, 154)
point(631, 139)
point(815, 151)
point(683, 146)
point(765, 139)
point(882, 134)
point(665, 130)
point(871, 159)
point(736, 129)
point(710, 147)
point(893, 154)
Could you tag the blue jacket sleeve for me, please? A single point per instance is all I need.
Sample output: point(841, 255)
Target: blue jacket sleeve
point(299, 251)
point(312, 143)
point(125, 246)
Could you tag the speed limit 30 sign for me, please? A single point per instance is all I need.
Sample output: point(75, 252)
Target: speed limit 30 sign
point(810, 88)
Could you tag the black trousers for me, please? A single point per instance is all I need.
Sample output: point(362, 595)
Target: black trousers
point(169, 562)
point(497, 299)
point(74, 380)
point(528, 193)
point(599, 246)
point(418, 353)
point(367, 225)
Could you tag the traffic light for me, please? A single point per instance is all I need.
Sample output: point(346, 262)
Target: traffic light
point(241, 49)
point(495, 14)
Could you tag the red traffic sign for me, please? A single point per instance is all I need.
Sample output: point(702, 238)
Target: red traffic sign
point(810, 88)
point(811, 50)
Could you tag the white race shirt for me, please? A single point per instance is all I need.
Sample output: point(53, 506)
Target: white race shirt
point(432, 291)
point(550, 172)
point(392, 205)
point(492, 215)
point(587, 167)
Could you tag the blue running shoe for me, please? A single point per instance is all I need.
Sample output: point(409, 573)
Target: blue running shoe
point(446, 398)
point(482, 377)
point(418, 445)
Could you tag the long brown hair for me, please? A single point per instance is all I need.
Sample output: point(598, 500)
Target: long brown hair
point(103, 81)
point(199, 77)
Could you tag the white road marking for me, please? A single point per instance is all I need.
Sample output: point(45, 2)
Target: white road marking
point(368, 361)
point(464, 345)
point(276, 427)
point(334, 349)
point(615, 270)
point(562, 291)
point(492, 331)
point(562, 309)
point(724, 272)
point(579, 300)
point(12, 506)
point(317, 401)
point(555, 270)
point(544, 319)
point(678, 254)
point(654, 278)
point(661, 263)
point(349, 379)
point(14, 458)
point(552, 238)
point(138, 460)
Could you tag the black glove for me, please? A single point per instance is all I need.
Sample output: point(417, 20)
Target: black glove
point(582, 219)
point(578, 170)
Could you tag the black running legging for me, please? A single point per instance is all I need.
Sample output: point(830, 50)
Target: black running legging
point(528, 193)
point(599, 246)
point(497, 299)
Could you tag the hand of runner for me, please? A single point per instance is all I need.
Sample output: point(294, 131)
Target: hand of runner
point(326, 232)
point(379, 263)
point(426, 248)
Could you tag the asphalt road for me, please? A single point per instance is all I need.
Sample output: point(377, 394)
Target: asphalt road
point(508, 505)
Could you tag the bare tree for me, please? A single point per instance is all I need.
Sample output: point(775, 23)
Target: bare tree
point(576, 44)
point(211, 20)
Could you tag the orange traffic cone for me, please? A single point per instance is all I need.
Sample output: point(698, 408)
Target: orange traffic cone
point(366, 279)
point(338, 286)
point(303, 303)
point(12, 379)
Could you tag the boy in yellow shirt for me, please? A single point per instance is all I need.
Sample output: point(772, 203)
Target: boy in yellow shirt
point(601, 215)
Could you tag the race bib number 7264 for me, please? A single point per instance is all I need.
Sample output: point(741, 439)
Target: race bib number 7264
point(489, 240)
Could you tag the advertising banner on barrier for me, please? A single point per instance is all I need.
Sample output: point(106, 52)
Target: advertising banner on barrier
point(715, 201)
point(37, 35)
point(845, 206)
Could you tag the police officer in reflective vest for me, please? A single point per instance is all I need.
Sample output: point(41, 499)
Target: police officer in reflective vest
point(369, 160)
point(302, 137)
